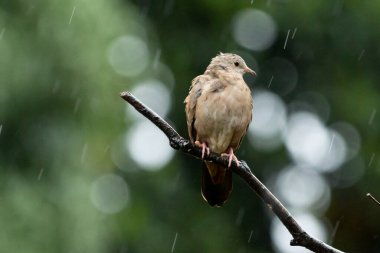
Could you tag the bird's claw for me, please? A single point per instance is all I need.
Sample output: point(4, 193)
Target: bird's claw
point(205, 148)
point(231, 156)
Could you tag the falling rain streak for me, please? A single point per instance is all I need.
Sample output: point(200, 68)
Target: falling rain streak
point(372, 117)
point(1, 128)
point(371, 159)
point(332, 142)
point(176, 181)
point(77, 104)
point(2, 33)
point(334, 230)
point(84, 152)
point(40, 174)
point(72, 14)
point(56, 87)
point(250, 236)
point(270, 81)
point(361, 55)
point(294, 32)
point(174, 242)
point(286, 40)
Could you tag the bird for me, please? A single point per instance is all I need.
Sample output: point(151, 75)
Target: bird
point(218, 113)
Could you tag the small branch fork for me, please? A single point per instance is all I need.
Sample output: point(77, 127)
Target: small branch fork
point(300, 237)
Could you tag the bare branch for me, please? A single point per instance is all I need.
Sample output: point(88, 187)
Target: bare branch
point(300, 237)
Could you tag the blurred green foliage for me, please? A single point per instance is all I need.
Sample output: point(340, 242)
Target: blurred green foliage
point(60, 113)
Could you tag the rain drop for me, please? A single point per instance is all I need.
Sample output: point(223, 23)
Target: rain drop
point(285, 72)
point(56, 87)
point(337, 223)
point(371, 159)
point(286, 40)
point(2, 33)
point(72, 14)
point(270, 81)
point(372, 117)
point(294, 32)
point(174, 242)
point(250, 236)
point(77, 104)
point(331, 143)
point(361, 55)
point(40, 174)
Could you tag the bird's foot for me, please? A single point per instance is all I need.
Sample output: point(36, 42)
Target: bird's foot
point(231, 156)
point(205, 148)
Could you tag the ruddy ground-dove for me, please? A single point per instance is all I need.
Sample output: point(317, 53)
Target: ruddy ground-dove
point(218, 112)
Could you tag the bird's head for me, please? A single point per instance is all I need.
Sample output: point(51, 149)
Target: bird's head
point(231, 63)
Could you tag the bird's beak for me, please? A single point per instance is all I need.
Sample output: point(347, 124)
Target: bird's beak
point(250, 71)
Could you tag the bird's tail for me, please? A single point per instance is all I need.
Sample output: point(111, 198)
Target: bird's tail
point(216, 183)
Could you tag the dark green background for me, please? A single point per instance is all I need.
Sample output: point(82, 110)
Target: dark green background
point(60, 113)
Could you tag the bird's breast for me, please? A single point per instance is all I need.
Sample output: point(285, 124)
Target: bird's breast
point(223, 116)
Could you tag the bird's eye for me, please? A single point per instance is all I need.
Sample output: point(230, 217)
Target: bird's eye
point(236, 64)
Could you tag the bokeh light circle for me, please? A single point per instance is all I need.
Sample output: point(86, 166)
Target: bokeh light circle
point(109, 193)
point(269, 120)
point(162, 72)
point(350, 174)
point(336, 154)
point(307, 139)
point(281, 237)
point(311, 144)
point(254, 29)
point(313, 102)
point(154, 94)
point(128, 55)
point(351, 136)
point(280, 75)
point(303, 189)
point(120, 156)
point(148, 146)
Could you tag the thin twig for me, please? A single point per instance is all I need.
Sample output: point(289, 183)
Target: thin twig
point(369, 195)
point(300, 237)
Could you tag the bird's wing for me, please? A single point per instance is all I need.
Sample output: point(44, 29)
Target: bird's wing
point(191, 104)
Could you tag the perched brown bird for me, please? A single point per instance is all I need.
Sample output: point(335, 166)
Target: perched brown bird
point(218, 112)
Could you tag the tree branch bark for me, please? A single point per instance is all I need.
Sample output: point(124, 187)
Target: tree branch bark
point(300, 237)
